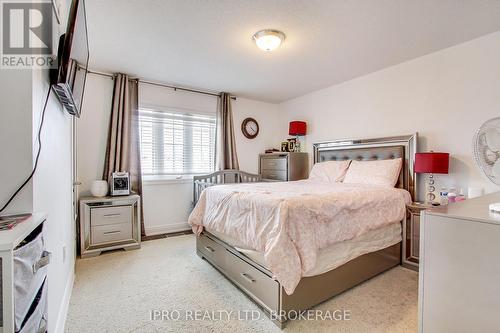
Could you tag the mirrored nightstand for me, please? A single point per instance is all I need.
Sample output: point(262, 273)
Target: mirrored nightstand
point(411, 234)
point(109, 223)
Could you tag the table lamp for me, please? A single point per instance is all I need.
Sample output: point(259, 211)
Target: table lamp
point(297, 128)
point(431, 163)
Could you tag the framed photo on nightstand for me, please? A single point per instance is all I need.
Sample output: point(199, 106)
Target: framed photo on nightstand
point(284, 146)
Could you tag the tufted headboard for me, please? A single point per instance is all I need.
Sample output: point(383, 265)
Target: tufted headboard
point(374, 149)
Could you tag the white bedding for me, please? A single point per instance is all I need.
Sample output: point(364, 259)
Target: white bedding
point(291, 221)
point(337, 254)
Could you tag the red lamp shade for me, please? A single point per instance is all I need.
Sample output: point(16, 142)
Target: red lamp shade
point(432, 162)
point(297, 128)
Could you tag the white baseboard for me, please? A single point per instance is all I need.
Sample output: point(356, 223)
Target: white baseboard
point(167, 228)
point(63, 309)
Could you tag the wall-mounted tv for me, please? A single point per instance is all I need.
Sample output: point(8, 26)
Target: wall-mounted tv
point(68, 81)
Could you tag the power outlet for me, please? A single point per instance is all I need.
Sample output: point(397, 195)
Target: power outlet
point(64, 253)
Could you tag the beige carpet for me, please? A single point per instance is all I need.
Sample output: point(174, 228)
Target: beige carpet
point(117, 291)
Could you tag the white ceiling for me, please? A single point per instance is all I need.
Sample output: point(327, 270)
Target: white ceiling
point(207, 43)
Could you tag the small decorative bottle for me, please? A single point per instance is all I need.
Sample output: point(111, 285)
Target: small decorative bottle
point(443, 196)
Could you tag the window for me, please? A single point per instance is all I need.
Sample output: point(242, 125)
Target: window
point(176, 142)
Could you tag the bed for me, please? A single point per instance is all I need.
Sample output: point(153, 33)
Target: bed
point(276, 263)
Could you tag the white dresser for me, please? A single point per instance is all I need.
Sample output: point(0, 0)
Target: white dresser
point(459, 287)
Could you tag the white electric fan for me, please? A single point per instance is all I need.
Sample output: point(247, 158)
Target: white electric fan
point(486, 146)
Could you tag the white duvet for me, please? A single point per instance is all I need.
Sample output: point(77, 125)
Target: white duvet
point(291, 221)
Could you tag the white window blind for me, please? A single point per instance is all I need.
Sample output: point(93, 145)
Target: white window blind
point(176, 142)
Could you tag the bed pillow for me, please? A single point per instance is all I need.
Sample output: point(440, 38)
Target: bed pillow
point(330, 171)
point(380, 172)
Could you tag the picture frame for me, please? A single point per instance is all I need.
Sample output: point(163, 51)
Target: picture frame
point(292, 144)
point(284, 146)
point(120, 183)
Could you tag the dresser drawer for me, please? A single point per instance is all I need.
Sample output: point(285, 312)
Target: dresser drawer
point(110, 233)
point(211, 250)
point(274, 175)
point(110, 215)
point(256, 283)
point(273, 163)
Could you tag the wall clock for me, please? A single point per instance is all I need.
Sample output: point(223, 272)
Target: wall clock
point(250, 128)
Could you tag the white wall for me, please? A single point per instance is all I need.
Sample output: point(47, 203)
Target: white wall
point(271, 125)
point(166, 203)
point(92, 130)
point(52, 193)
point(444, 96)
point(16, 139)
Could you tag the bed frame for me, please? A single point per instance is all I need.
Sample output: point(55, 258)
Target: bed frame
point(256, 281)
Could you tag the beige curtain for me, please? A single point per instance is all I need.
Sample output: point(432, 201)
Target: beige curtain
point(122, 152)
point(226, 156)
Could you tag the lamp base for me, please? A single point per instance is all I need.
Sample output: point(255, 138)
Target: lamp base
point(430, 197)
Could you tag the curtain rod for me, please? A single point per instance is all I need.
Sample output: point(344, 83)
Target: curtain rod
point(175, 88)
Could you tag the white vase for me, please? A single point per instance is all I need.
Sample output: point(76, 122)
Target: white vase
point(99, 188)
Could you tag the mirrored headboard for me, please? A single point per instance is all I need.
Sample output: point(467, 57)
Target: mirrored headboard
point(404, 146)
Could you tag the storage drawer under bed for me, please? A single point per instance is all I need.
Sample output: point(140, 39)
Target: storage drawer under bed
point(261, 287)
point(212, 250)
point(257, 283)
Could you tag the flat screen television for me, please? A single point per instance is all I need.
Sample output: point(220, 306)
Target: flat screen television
point(68, 80)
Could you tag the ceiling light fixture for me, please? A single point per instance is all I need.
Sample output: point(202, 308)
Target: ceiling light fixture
point(268, 39)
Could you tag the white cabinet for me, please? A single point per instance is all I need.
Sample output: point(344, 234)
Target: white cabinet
point(23, 275)
point(459, 287)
